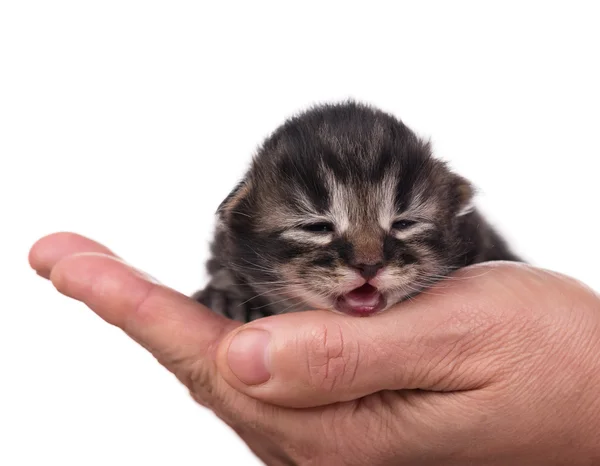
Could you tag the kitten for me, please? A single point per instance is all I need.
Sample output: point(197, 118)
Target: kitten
point(343, 208)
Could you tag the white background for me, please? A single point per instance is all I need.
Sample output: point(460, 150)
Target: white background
point(130, 121)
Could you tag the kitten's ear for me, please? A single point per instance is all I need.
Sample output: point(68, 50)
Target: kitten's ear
point(464, 193)
point(233, 199)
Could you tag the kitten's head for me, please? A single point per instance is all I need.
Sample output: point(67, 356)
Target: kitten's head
point(343, 208)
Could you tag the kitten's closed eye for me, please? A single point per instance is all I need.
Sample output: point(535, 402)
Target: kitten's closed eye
point(401, 225)
point(319, 227)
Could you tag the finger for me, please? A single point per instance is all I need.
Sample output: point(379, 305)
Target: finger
point(180, 333)
point(47, 251)
point(451, 338)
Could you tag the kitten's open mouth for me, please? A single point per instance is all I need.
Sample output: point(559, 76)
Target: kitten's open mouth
point(363, 301)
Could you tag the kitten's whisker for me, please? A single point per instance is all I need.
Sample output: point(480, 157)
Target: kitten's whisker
point(278, 291)
point(240, 213)
point(274, 302)
point(254, 266)
point(426, 289)
point(270, 303)
point(287, 309)
point(274, 291)
point(451, 278)
point(298, 288)
point(258, 254)
point(262, 284)
point(418, 288)
point(274, 282)
point(252, 263)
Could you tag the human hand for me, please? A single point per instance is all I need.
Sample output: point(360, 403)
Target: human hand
point(496, 365)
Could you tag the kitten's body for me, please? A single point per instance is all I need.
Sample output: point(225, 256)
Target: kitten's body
point(343, 208)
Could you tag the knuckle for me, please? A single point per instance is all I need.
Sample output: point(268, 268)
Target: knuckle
point(332, 358)
point(144, 310)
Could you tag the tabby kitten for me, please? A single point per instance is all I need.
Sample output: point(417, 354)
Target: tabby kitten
point(343, 208)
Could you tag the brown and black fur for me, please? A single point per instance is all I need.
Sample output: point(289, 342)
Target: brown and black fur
point(332, 189)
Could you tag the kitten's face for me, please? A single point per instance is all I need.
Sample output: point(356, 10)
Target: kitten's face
point(344, 209)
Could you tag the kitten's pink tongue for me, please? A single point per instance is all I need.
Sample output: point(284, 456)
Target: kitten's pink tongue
point(362, 301)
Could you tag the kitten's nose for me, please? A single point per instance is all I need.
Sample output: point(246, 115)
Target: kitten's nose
point(368, 271)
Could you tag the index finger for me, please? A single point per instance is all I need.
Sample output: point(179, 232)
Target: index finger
point(179, 332)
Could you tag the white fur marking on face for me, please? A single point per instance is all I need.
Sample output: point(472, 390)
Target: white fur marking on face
point(338, 194)
point(412, 231)
point(385, 200)
point(307, 237)
point(393, 278)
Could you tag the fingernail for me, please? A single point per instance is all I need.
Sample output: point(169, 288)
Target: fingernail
point(248, 356)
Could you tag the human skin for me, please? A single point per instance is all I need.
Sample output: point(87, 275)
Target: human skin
point(497, 365)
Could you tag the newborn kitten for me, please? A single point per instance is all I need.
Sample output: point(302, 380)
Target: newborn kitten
point(343, 208)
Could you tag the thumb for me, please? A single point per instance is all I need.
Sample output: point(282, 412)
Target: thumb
point(444, 340)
